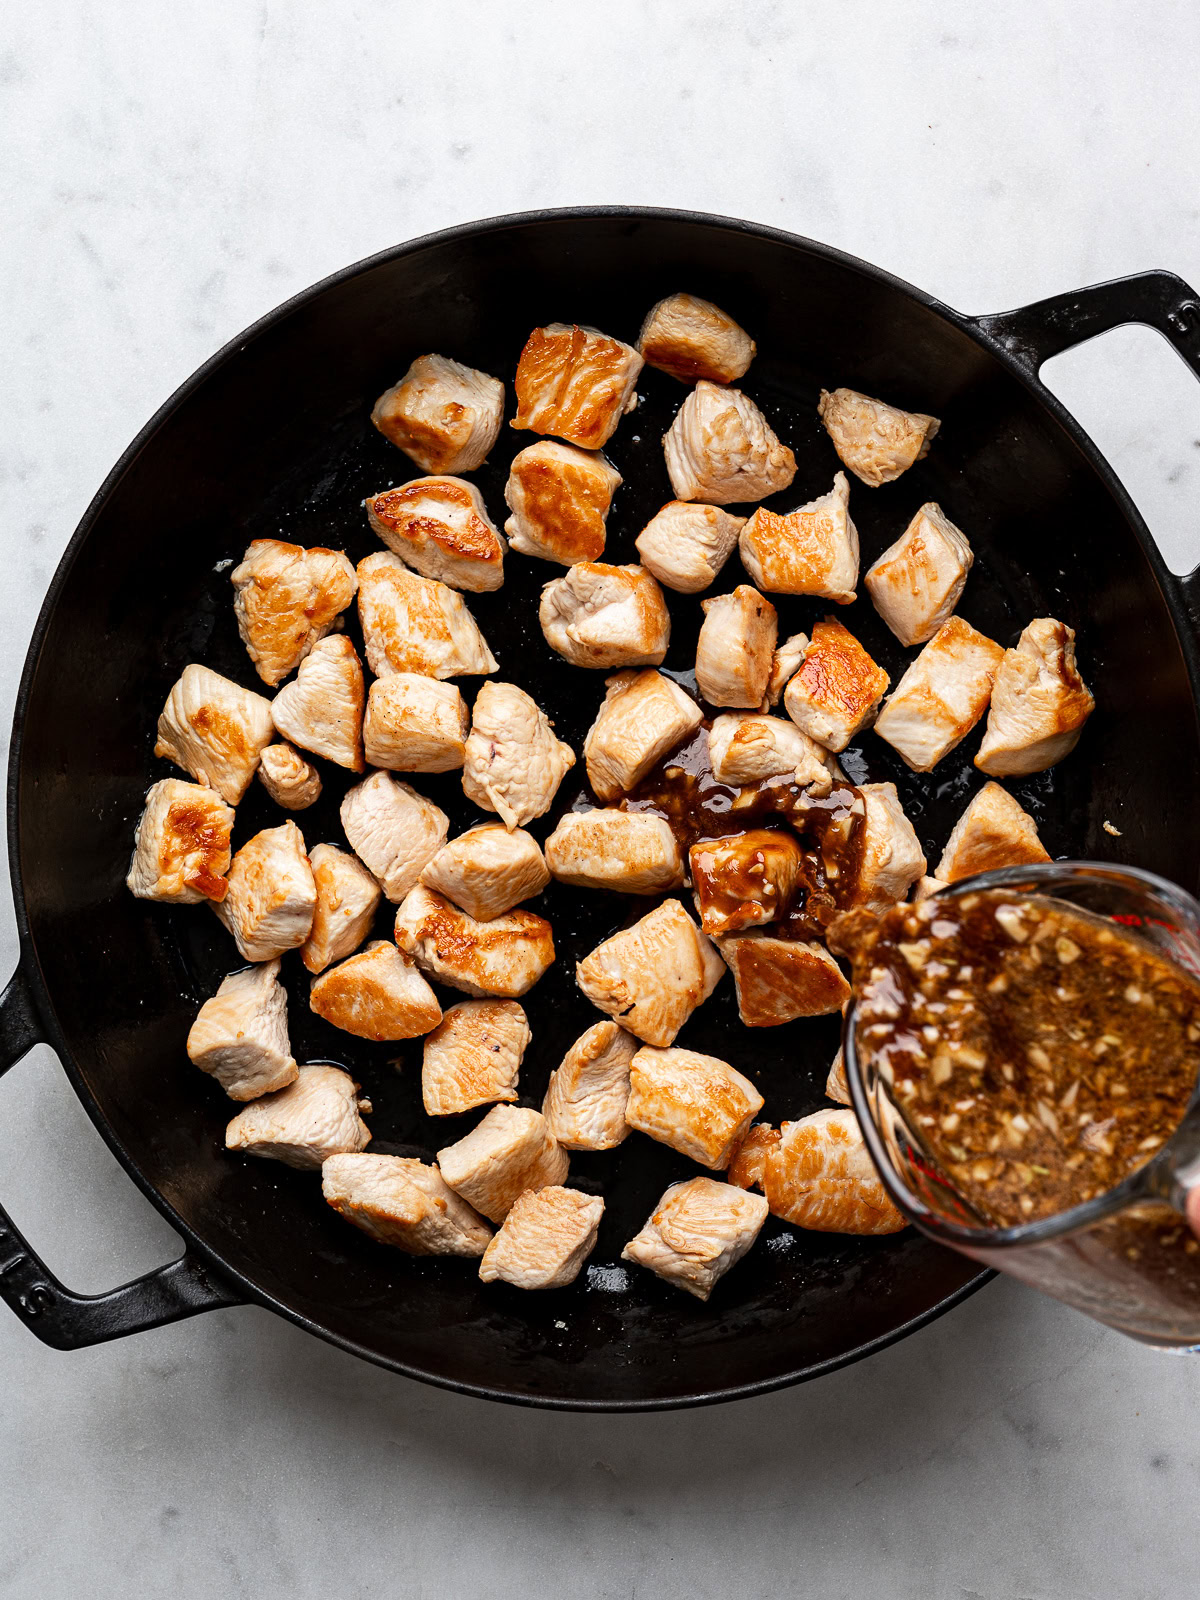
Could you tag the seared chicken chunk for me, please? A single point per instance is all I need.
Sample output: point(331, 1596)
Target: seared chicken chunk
point(322, 708)
point(745, 878)
point(509, 1152)
point(403, 1202)
point(488, 870)
point(602, 616)
point(285, 599)
point(837, 691)
point(514, 763)
point(347, 898)
point(576, 383)
point(394, 831)
point(271, 899)
point(473, 1056)
point(1039, 703)
point(559, 497)
point(749, 1164)
point(377, 994)
point(994, 831)
point(631, 852)
point(504, 956)
point(916, 583)
point(736, 647)
point(413, 624)
point(544, 1240)
point(644, 715)
point(942, 695)
point(699, 1230)
point(216, 730)
point(721, 449)
point(836, 1087)
point(181, 847)
point(812, 550)
point(699, 1105)
point(314, 1118)
point(440, 528)
point(745, 747)
point(876, 441)
point(784, 666)
point(820, 1176)
point(691, 339)
point(240, 1036)
point(653, 975)
point(415, 724)
point(779, 980)
point(586, 1098)
point(442, 414)
point(890, 858)
point(292, 782)
point(686, 544)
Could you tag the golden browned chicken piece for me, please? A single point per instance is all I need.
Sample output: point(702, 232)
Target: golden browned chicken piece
point(745, 747)
point(650, 977)
point(1039, 703)
point(942, 695)
point(745, 878)
point(322, 708)
point(890, 858)
point(314, 1118)
point(488, 870)
point(440, 528)
point(347, 899)
point(240, 1036)
point(917, 582)
point(820, 1176)
point(721, 449)
point(544, 1240)
point(377, 994)
point(629, 852)
point(748, 1166)
point(560, 498)
point(394, 831)
point(586, 1098)
point(216, 730)
point(837, 691)
point(504, 956)
point(812, 550)
point(699, 1230)
point(644, 714)
point(602, 616)
point(784, 665)
point(876, 441)
point(686, 544)
point(736, 647)
point(414, 624)
point(699, 1105)
point(271, 899)
point(836, 1087)
point(994, 831)
point(402, 1202)
point(290, 780)
point(285, 599)
point(473, 1056)
point(509, 1152)
point(514, 763)
point(691, 339)
point(415, 724)
point(442, 414)
point(779, 980)
point(576, 383)
point(181, 848)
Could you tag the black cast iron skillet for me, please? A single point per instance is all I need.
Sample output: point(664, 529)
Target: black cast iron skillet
point(271, 437)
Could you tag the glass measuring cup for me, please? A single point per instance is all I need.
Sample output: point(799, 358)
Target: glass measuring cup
point(1126, 1257)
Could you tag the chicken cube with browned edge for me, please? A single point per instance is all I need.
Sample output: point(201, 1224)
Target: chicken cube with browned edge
point(643, 716)
point(544, 1240)
point(820, 1176)
point(377, 994)
point(400, 1201)
point(314, 1118)
point(747, 747)
point(779, 980)
point(1039, 703)
point(514, 763)
point(698, 1230)
point(994, 831)
point(691, 338)
point(509, 1152)
point(394, 831)
point(736, 647)
point(576, 383)
point(837, 691)
point(811, 550)
point(748, 1166)
point(603, 616)
point(588, 1092)
point(321, 710)
point(504, 956)
point(272, 897)
point(559, 497)
point(890, 858)
point(216, 730)
point(473, 1056)
point(290, 780)
point(415, 724)
point(696, 1104)
point(722, 450)
point(651, 976)
point(745, 878)
point(942, 695)
point(488, 870)
point(440, 528)
point(875, 440)
point(286, 598)
point(415, 624)
point(836, 1086)
point(181, 847)
point(347, 898)
point(240, 1036)
point(629, 852)
point(686, 544)
point(442, 414)
point(917, 582)
point(784, 665)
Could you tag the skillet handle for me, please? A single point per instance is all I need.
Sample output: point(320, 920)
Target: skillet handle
point(68, 1321)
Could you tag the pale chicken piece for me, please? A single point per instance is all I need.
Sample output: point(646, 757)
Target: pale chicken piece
point(821, 1177)
point(473, 1056)
point(394, 831)
point(836, 1087)
point(643, 715)
point(686, 544)
point(272, 897)
point(721, 449)
point(488, 870)
point(629, 852)
point(440, 528)
point(692, 339)
point(414, 624)
point(1039, 703)
point(602, 616)
point(927, 887)
point(321, 710)
point(347, 899)
point(509, 1152)
point(290, 780)
point(745, 878)
point(587, 1094)
point(917, 582)
point(876, 441)
point(576, 383)
point(942, 695)
point(994, 831)
point(746, 747)
point(285, 599)
point(240, 1036)
point(736, 647)
point(215, 729)
point(504, 956)
point(377, 994)
point(560, 498)
point(811, 550)
point(444, 415)
point(314, 1118)
point(837, 691)
point(415, 724)
point(181, 847)
point(696, 1104)
point(402, 1202)
point(890, 858)
point(778, 980)
point(784, 665)
point(653, 975)
point(698, 1230)
point(544, 1240)
point(514, 763)
point(749, 1164)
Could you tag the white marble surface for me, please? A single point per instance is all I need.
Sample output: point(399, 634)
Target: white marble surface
point(169, 173)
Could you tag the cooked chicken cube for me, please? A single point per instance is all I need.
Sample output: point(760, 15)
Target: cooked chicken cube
point(216, 730)
point(994, 831)
point(415, 724)
point(820, 1176)
point(1039, 703)
point(240, 1036)
point(442, 414)
point(699, 1230)
point(736, 647)
point(560, 498)
point(586, 1098)
point(749, 1164)
point(488, 870)
point(544, 1240)
point(699, 1105)
point(509, 1152)
point(322, 708)
point(779, 980)
point(271, 899)
point(630, 852)
point(811, 550)
point(890, 858)
point(292, 782)
point(440, 528)
point(745, 878)
point(721, 449)
point(785, 664)
point(576, 383)
point(473, 1056)
point(285, 599)
point(691, 339)
point(942, 695)
point(686, 544)
point(644, 714)
point(347, 898)
point(917, 582)
point(394, 831)
point(514, 763)
point(836, 1087)
point(181, 848)
point(377, 994)
point(927, 887)
point(413, 624)
point(504, 956)
point(653, 975)
point(602, 616)
point(314, 1118)
point(403, 1202)
point(838, 689)
point(876, 441)
point(745, 747)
